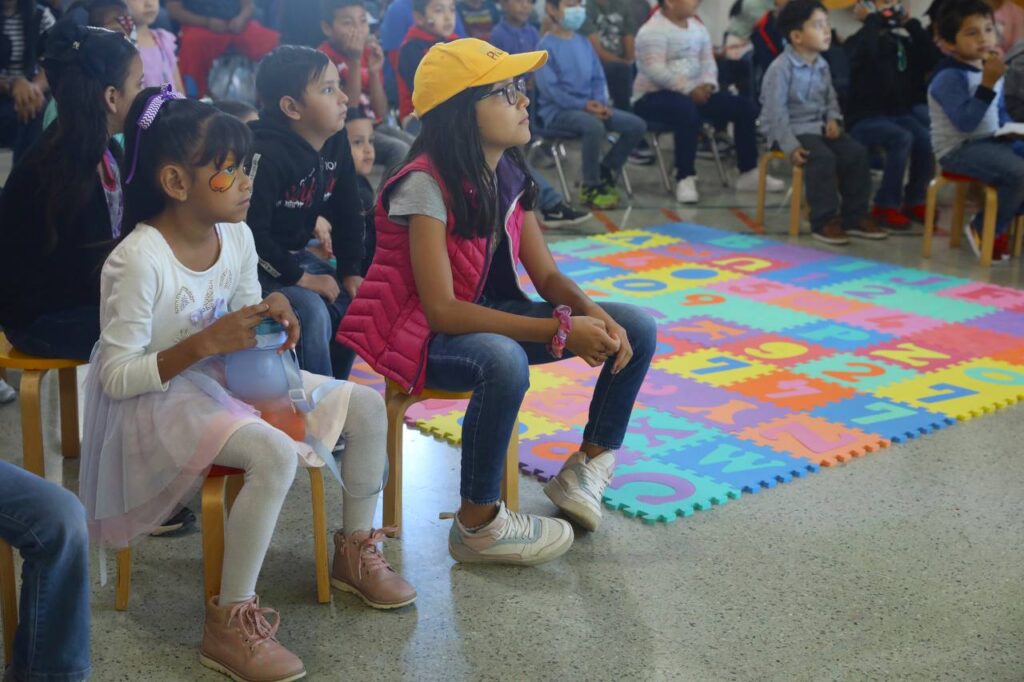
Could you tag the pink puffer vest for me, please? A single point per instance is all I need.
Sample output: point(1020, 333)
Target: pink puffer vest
point(386, 324)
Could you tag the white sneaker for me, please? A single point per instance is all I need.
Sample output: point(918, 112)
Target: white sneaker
point(747, 182)
point(578, 489)
point(510, 538)
point(973, 239)
point(686, 190)
point(7, 393)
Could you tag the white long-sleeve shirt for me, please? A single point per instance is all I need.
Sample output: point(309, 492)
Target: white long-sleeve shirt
point(670, 57)
point(149, 302)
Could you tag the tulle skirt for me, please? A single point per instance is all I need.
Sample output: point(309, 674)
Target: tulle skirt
point(143, 457)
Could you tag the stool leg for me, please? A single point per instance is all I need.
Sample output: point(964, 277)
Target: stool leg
point(762, 181)
point(8, 600)
point(124, 579)
point(213, 535)
point(988, 232)
point(1018, 243)
point(510, 482)
point(931, 204)
point(662, 168)
point(795, 201)
point(626, 183)
point(69, 439)
point(396, 405)
point(232, 487)
point(561, 173)
point(956, 229)
point(323, 581)
point(31, 421)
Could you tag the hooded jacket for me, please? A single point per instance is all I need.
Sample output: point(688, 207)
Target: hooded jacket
point(294, 185)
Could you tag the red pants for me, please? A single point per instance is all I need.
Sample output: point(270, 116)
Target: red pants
point(201, 46)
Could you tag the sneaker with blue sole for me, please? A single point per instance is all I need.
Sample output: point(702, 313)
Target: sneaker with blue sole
point(509, 538)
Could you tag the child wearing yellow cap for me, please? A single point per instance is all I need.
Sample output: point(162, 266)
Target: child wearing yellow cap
point(441, 305)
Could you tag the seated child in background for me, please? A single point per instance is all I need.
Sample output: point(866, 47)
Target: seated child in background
point(360, 62)
point(800, 113)
point(157, 47)
point(574, 97)
point(610, 29)
point(208, 29)
point(359, 128)
point(515, 34)
point(891, 57)
point(1013, 88)
point(965, 100)
point(434, 23)
point(479, 17)
point(306, 188)
point(677, 86)
point(1009, 19)
point(246, 113)
point(23, 87)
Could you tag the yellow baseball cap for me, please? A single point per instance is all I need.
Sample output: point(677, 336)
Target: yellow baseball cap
point(449, 68)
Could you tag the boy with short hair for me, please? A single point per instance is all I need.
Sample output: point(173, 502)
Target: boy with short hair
point(360, 61)
point(306, 188)
point(966, 103)
point(208, 29)
point(891, 57)
point(610, 29)
point(434, 23)
point(479, 17)
point(573, 97)
point(800, 113)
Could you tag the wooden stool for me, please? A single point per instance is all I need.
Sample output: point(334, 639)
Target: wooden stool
point(32, 371)
point(797, 190)
point(220, 489)
point(988, 232)
point(398, 401)
point(8, 600)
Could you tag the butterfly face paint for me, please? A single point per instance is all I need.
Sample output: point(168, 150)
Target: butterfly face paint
point(224, 179)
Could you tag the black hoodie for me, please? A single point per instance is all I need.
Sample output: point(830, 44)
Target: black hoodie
point(294, 185)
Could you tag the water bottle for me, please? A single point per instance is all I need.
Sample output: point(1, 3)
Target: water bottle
point(259, 376)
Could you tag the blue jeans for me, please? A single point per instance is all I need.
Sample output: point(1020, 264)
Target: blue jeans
point(496, 369)
point(318, 352)
point(46, 523)
point(1000, 164)
point(66, 334)
point(548, 197)
point(904, 140)
point(630, 127)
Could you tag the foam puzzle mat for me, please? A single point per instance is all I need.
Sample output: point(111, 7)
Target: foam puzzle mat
point(773, 361)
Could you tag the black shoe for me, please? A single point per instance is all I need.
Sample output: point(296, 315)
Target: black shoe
point(642, 157)
point(563, 215)
point(178, 524)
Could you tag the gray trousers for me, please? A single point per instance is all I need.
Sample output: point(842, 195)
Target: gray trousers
point(836, 164)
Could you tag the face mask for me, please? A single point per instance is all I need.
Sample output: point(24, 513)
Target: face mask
point(573, 18)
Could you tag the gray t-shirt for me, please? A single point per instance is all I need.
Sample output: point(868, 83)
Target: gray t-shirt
point(419, 194)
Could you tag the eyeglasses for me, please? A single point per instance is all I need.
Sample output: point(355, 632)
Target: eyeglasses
point(511, 91)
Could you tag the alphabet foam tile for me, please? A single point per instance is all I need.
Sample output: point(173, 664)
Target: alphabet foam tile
point(655, 491)
point(896, 421)
point(817, 440)
point(771, 359)
point(362, 374)
point(738, 463)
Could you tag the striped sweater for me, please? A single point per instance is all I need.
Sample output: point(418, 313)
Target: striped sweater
point(670, 57)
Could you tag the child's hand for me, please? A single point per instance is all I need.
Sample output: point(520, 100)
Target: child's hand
point(325, 285)
point(237, 25)
point(234, 331)
point(625, 354)
point(280, 310)
point(217, 25)
point(322, 233)
point(799, 156)
point(589, 340)
point(702, 94)
point(28, 99)
point(596, 108)
point(352, 284)
point(375, 62)
point(993, 70)
point(832, 130)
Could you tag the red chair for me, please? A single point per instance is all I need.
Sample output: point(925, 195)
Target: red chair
point(220, 489)
point(988, 233)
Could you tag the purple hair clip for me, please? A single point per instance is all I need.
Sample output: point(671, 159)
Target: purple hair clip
point(149, 112)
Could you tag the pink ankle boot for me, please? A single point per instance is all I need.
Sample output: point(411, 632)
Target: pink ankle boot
point(361, 569)
point(239, 641)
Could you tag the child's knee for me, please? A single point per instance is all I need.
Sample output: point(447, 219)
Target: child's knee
point(366, 412)
point(505, 365)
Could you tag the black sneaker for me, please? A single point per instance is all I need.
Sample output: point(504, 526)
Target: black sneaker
point(564, 215)
point(178, 524)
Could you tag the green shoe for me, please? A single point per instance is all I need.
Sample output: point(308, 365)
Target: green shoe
point(602, 197)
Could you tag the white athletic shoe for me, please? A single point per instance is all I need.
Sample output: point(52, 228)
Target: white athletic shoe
point(579, 487)
point(747, 182)
point(510, 538)
point(686, 190)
